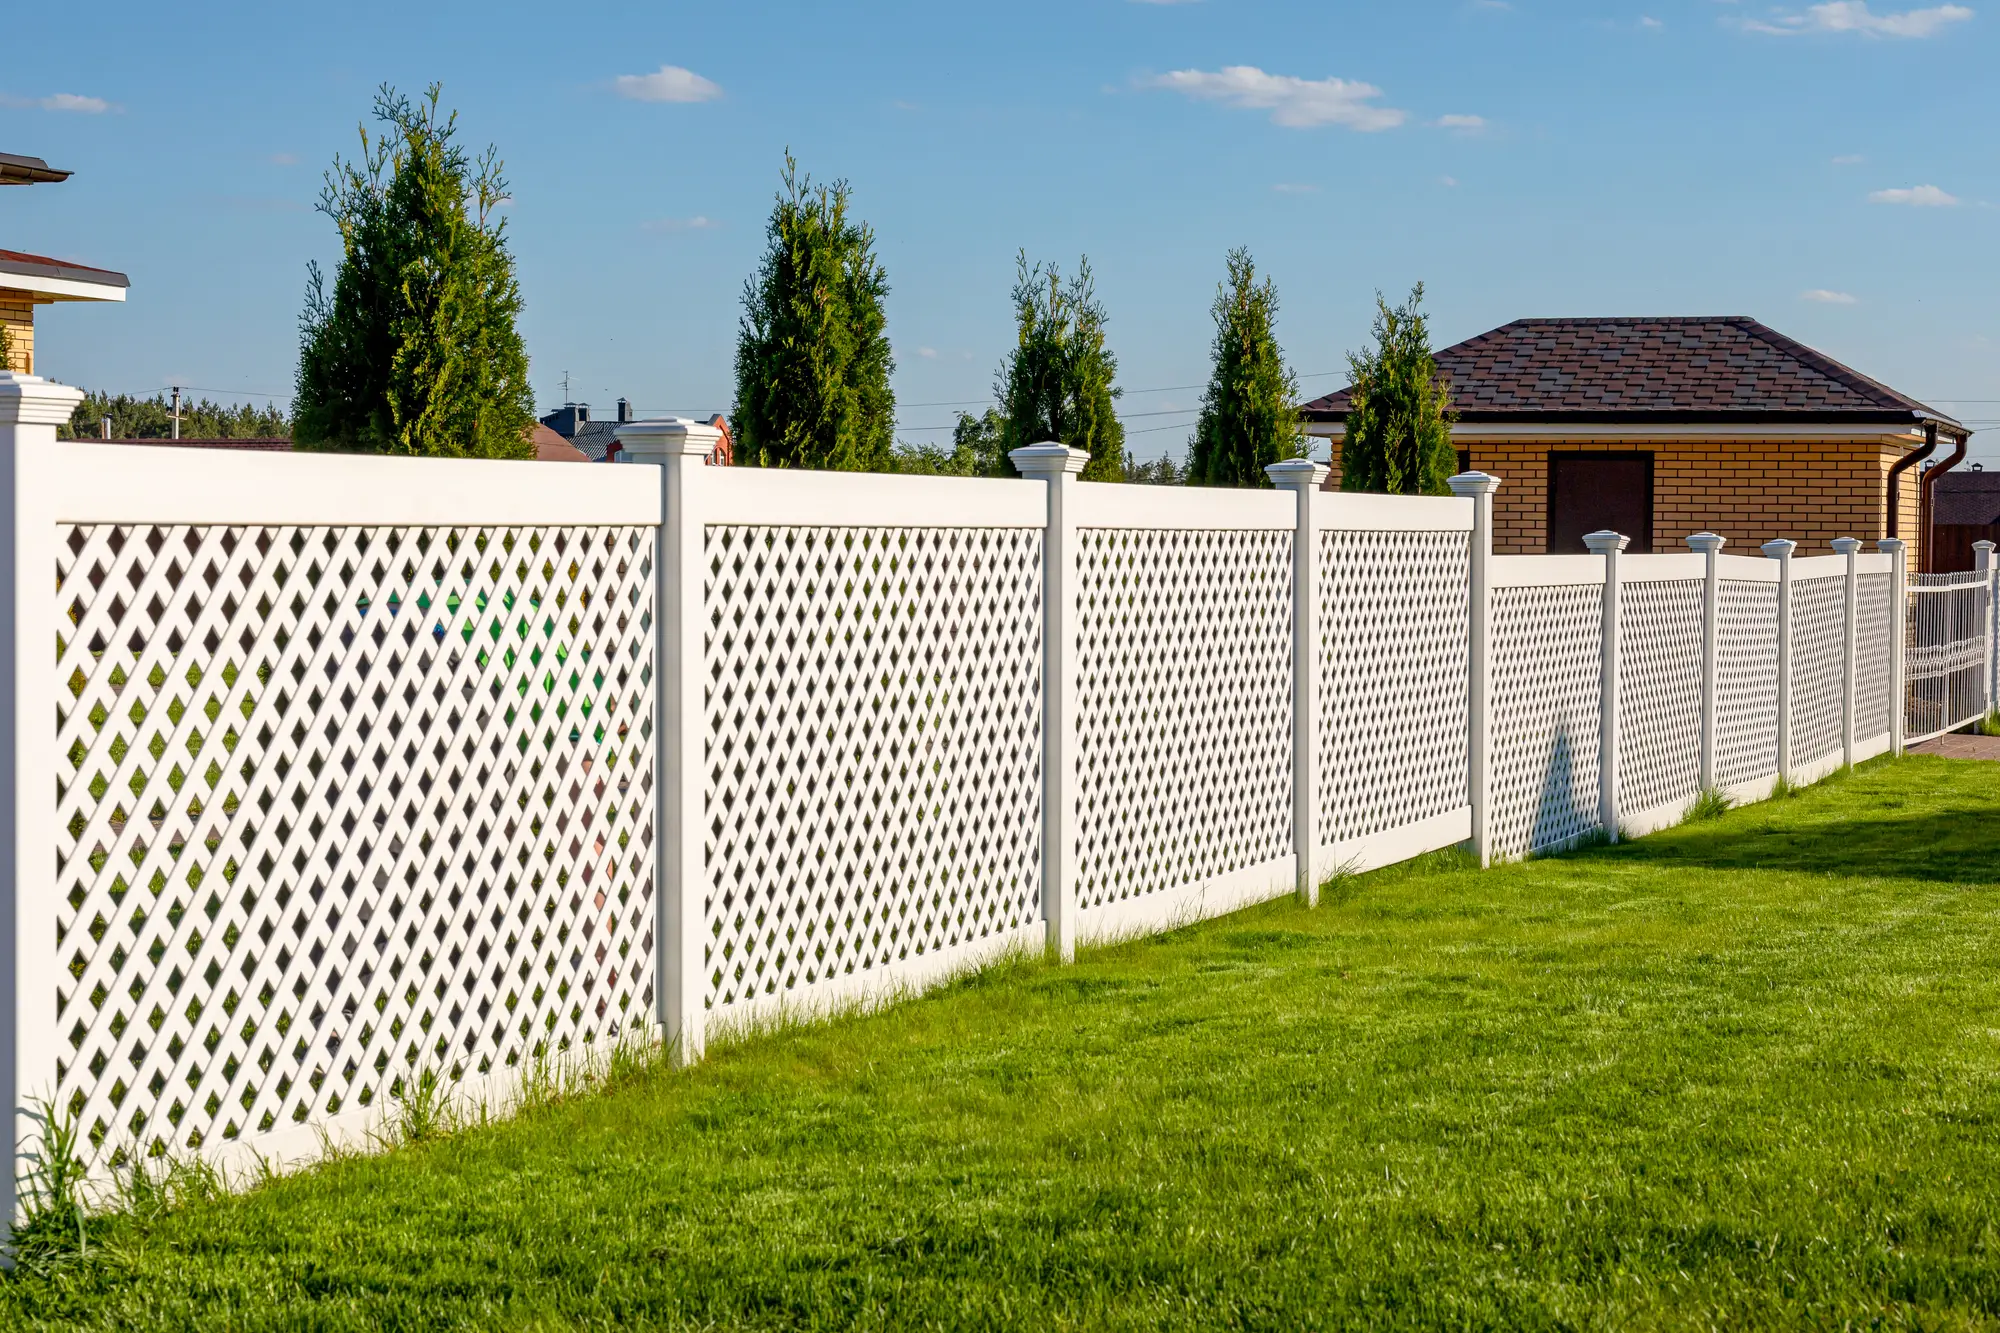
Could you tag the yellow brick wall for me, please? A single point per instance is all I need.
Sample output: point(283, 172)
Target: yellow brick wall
point(1750, 491)
point(17, 312)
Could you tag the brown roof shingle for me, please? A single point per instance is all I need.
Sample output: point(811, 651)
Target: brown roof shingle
point(1721, 368)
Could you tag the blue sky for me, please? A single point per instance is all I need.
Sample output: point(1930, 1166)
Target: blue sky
point(1828, 168)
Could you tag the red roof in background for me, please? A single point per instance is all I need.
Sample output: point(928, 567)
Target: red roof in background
point(20, 262)
point(553, 448)
point(1705, 368)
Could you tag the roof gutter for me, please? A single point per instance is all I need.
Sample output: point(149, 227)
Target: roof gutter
point(1926, 485)
point(1896, 471)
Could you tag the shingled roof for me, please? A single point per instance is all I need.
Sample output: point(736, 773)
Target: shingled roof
point(1967, 497)
point(1726, 368)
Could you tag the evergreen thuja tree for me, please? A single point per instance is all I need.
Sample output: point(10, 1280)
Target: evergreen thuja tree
point(1249, 414)
point(415, 350)
point(1060, 381)
point(812, 349)
point(1399, 416)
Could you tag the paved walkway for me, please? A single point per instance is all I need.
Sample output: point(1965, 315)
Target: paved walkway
point(1961, 747)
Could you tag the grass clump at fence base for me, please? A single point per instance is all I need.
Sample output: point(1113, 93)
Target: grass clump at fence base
point(1737, 1074)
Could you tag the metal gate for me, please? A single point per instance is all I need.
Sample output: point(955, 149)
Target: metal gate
point(1949, 652)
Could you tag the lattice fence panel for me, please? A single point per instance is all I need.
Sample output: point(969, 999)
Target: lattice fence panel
point(1874, 667)
point(337, 804)
point(1547, 664)
point(1746, 682)
point(1819, 627)
point(1659, 694)
point(1184, 716)
point(873, 749)
point(1947, 651)
point(1391, 679)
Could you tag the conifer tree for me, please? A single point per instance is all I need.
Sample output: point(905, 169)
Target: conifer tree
point(1060, 381)
point(415, 351)
point(812, 349)
point(1249, 414)
point(1399, 414)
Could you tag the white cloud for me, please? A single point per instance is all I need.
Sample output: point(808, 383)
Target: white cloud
point(927, 353)
point(1826, 297)
point(1855, 16)
point(670, 83)
point(77, 102)
point(1295, 187)
point(1849, 160)
point(283, 159)
point(1449, 182)
point(1293, 102)
point(1463, 124)
point(670, 225)
point(1166, 2)
point(1650, 23)
point(1916, 196)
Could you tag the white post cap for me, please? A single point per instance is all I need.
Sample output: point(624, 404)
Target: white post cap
point(1048, 459)
point(30, 400)
point(1297, 474)
point(1895, 545)
point(661, 438)
point(1985, 546)
point(1707, 543)
point(1846, 545)
point(1779, 548)
point(1473, 483)
point(1605, 542)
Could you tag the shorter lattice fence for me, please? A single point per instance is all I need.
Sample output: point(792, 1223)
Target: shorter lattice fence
point(374, 770)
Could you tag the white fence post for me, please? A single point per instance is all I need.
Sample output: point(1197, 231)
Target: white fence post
point(1609, 545)
point(1849, 547)
point(1479, 488)
point(680, 892)
point(1058, 465)
point(30, 410)
point(1710, 546)
point(1781, 551)
point(1302, 477)
point(1899, 634)
point(1982, 554)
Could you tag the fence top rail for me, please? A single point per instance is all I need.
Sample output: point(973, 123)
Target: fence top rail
point(120, 484)
point(789, 498)
point(1187, 508)
point(1961, 580)
point(1361, 512)
point(1835, 566)
point(1546, 571)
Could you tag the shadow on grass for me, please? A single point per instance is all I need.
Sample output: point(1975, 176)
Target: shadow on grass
point(1883, 822)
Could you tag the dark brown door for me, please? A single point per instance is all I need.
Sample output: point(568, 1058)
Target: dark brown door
point(1592, 492)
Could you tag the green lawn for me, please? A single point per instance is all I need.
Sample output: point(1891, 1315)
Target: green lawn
point(1745, 1073)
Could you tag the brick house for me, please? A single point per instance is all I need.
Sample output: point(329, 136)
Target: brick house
point(1658, 428)
point(27, 281)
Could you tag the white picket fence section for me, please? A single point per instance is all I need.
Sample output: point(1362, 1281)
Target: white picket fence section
point(1951, 647)
point(366, 766)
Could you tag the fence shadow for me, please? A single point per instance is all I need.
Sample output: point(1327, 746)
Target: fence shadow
point(1959, 845)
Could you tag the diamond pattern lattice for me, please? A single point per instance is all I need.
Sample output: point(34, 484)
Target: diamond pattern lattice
point(1184, 715)
point(1874, 667)
point(1659, 694)
point(1819, 622)
point(1548, 649)
point(1746, 682)
point(873, 749)
point(1392, 679)
point(336, 804)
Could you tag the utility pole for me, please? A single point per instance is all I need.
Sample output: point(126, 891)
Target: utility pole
point(177, 411)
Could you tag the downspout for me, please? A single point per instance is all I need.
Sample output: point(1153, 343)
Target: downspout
point(1898, 468)
point(1926, 485)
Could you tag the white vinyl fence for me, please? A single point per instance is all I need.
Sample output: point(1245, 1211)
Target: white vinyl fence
point(1950, 650)
point(364, 767)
